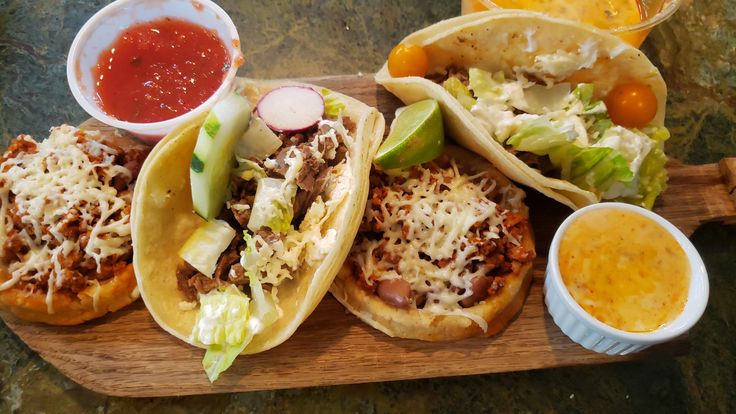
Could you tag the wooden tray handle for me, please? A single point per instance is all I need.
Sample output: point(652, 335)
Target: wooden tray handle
point(728, 171)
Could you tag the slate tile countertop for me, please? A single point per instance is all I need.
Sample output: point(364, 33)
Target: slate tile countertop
point(695, 51)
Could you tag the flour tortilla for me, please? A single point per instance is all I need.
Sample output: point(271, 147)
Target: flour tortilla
point(506, 41)
point(163, 219)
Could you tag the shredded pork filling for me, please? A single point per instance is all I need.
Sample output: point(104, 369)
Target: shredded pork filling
point(438, 239)
point(65, 208)
point(321, 151)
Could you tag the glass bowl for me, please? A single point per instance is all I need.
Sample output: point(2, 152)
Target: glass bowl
point(654, 12)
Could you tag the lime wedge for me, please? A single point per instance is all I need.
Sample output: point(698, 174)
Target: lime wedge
point(417, 136)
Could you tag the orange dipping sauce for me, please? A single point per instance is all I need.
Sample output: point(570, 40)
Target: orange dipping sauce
point(159, 70)
point(624, 269)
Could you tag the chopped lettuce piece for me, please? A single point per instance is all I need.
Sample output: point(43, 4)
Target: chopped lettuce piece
point(333, 104)
point(652, 173)
point(586, 159)
point(584, 92)
point(249, 256)
point(562, 157)
point(592, 168)
point(204, 246)
point(633, 145)
point(263, 309)
point(249, 170)
point(273, 206)
point(228, 320)
point(612, 169)
point(486, 84)
point(223, 326)
point(459, 91)
point(600, 126)
point(658, 134)
point(538, 136)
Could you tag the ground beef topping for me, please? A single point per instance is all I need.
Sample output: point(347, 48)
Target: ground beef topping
point(65, 209)
point(439, 239)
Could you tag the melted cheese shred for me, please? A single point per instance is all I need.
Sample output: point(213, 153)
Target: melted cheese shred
point(428, 220)
point(53, 185)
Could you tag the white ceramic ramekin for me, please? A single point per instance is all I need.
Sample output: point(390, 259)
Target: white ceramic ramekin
point(595, 335)
point(103, 28)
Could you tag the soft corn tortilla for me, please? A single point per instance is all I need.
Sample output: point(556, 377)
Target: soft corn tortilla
point(507, 41)
point(163, 219)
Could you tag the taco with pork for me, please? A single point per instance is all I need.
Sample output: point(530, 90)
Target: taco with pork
point(242, 220)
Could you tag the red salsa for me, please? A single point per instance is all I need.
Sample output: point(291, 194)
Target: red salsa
point(159, 70)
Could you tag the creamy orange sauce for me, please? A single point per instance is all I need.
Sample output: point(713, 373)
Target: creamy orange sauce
point(606, 14)
point(624, 269)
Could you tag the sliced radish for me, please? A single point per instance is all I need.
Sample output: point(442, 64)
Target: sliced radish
point(291, 108)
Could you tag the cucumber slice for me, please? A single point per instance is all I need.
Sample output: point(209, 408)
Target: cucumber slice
point(212, 160)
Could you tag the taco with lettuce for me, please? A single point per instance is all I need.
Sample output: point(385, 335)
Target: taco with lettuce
point(242, 220)
point(566, 109)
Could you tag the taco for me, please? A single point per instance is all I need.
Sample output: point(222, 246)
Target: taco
point(444, 251)
point(566, 109)
point(243, 280)
point(65, 206)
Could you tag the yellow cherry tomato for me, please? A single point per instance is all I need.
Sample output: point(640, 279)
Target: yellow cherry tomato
point(632, 105)
point(406, 60)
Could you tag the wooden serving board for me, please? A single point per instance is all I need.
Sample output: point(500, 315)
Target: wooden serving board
point(127, 354)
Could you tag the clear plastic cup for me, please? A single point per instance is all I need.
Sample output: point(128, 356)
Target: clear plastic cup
point(652, 12)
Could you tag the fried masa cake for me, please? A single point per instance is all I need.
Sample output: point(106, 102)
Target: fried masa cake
point(65, 204)
point(444, 251)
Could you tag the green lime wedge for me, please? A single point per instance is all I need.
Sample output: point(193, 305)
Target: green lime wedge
point(417, 136)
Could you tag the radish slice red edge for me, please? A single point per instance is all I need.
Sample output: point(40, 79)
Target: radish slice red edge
point(291, 108)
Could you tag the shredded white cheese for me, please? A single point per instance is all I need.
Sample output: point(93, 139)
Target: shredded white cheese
point(57, 183)
point(429, 220)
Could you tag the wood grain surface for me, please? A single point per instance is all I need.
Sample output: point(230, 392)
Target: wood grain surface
point(127, 354)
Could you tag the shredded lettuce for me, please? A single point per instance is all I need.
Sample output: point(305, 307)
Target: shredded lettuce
point(599, 127)
point(249, 256)
point(486, 84)
point(228, 320)
point(584, 92)
point(652, 173)
point(592, 168)
point(573, 129)
point(249, 170)
point(538, 136)
point(263, 309)
point(609, 170)
point(333, 104)
point(223, 326)
point(459, 91)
